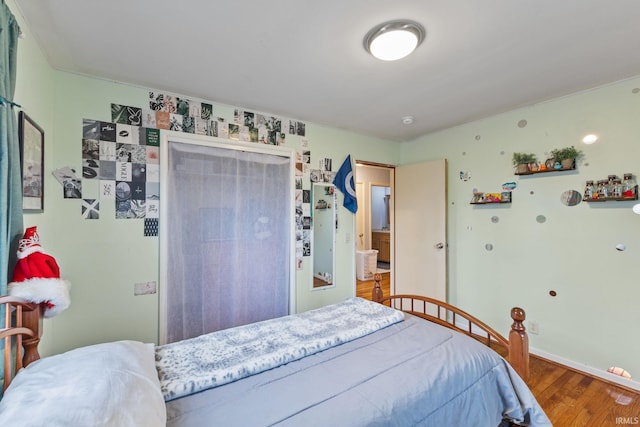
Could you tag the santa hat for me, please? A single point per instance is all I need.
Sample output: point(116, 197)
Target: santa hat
point(36, 276)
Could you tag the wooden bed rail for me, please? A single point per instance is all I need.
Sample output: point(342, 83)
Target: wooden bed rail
point(22, 325)
point(452, 317)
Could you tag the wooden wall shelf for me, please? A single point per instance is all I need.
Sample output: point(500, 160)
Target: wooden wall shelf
point(611, 199)
point(491, 203)
point(491, 199)
point(615, 199)
point(545, 171)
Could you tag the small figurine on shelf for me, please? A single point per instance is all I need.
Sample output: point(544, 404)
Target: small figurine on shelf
point(616, 188)
point(588, 191)
point(628, 186)
point(549, 163)
point(603, 190)
point(478, 197)
point(492, 198)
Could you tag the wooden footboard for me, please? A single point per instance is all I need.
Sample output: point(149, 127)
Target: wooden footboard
point(23, 326)
point(452, 317)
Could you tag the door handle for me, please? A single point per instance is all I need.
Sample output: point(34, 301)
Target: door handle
point(439, 245)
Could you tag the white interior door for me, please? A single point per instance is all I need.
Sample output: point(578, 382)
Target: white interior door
point(420, 229)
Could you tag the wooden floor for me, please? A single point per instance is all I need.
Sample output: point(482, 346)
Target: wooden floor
point(571, 398)
point(568, 397)
point(319, 283)
point(364, 288)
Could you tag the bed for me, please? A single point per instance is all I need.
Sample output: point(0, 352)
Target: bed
point(354, 363)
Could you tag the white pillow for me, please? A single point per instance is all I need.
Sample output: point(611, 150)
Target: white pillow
point(111, 384)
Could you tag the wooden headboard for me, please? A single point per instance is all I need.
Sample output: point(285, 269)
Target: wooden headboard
point(452, 317)
point(22, 326)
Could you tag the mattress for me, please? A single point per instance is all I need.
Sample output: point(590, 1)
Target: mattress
point(413, 372)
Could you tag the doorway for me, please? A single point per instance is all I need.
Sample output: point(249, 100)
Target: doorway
point(374, 227)
point(417, 226)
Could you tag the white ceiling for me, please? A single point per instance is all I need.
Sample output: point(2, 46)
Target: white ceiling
point(304, 59)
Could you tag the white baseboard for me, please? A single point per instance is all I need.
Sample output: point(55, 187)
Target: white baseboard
point(587, 369)
point(599, 373)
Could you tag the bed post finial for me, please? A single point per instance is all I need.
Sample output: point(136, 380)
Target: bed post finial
point(376, 293)
point(32, 320)
point(519, 344)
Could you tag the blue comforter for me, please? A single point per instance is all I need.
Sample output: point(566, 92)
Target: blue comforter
point(410, 373)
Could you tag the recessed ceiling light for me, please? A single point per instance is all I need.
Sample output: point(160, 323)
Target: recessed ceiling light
point(394, 40)
point(590, 139)
point(407, 120)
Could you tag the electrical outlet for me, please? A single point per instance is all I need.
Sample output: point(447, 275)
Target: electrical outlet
point(144, 288)
point(533, 328)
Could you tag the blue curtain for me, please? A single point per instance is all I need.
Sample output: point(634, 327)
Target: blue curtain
point(10, 176)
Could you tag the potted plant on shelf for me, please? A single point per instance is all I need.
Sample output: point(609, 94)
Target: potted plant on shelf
point(521, 161)
point(566, 156)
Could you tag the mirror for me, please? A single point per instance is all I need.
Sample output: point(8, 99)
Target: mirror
point(381, 225)
point(323, 217)
point(380, 219)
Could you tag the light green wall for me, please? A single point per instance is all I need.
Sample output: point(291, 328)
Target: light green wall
point(593, 316)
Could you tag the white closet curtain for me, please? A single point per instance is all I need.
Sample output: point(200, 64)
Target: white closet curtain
point(226, 228)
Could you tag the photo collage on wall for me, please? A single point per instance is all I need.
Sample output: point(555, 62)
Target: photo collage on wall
point(304, 217)
point(303, 208)
point(125, 160)
point(184, 115)
point(123, 155)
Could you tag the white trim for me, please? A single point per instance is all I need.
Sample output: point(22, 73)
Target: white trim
point(334, 209)
point(284, 151)
point(607, 376)
point(599, 373)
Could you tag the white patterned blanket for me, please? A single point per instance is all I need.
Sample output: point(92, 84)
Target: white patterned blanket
point(221, 357)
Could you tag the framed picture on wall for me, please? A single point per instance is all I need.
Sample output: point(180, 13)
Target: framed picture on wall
point(31, 163)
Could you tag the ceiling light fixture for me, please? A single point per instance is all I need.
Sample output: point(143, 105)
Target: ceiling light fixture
point(590, 139)
point(394, 40)
point(407, 120)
